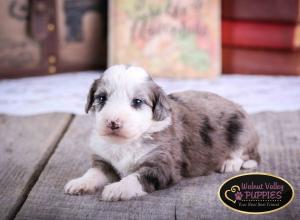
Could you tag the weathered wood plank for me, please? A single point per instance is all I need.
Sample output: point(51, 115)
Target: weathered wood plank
point(26, 144)
point(71, 159)
point(194, 198)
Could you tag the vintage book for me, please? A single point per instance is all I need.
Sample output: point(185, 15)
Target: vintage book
point(40, 37)
point(260, 34)
point(262, 10)
point(262, 62)
point(168, 38)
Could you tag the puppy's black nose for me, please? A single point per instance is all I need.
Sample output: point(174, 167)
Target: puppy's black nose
point(114, 125)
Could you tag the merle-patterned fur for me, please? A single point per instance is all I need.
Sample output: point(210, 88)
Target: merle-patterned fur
point(205, 129)
point(110, 172)
point(233, 128)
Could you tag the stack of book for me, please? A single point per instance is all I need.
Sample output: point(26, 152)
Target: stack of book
point(261, 37)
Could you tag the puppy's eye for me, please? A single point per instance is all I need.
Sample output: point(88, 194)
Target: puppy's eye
point(136, 103)
point(101, 99)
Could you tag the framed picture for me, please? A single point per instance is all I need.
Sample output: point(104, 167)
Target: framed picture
point(169, 38)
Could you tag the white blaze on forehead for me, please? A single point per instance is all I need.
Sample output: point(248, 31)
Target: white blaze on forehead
point(123, 76)
point(121, 84)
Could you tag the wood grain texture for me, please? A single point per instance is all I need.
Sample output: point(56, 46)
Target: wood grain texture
point(194, 198)
point(26, 143)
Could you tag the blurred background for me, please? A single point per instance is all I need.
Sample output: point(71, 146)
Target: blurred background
point(192, 44)
point(52, 50)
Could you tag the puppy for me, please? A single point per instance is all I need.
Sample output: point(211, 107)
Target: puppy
point(144, 140)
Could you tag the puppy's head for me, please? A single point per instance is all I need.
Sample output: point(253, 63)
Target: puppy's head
point(127, 104)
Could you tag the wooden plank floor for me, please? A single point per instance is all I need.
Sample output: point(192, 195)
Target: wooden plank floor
point(191, 199)
point(71, 159)
point(26, 143)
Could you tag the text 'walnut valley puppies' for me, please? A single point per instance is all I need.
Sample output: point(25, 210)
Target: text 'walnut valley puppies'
point(144, 140)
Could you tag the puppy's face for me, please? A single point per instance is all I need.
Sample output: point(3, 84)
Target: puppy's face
point(127, 104)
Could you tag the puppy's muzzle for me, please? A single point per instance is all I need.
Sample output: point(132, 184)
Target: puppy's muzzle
point(113, 124)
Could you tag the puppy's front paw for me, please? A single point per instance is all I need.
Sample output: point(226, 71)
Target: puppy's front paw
point(79, 186)
point(127, 188)
point(231, 165)
point(92, 180)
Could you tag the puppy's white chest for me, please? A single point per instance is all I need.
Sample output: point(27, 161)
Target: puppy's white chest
point(123, 163)
point(122, 157)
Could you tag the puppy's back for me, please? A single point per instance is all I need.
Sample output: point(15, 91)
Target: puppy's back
point(205, 102)
point(214, 127)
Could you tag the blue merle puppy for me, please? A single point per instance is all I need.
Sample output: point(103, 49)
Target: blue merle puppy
point(144, 140)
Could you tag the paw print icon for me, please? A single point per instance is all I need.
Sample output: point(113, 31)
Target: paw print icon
point(238, 196)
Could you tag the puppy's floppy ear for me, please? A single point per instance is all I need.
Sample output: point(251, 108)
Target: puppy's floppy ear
point(90, 97)
point(160, 105)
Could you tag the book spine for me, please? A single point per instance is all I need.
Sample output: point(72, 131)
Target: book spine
point(261, 62)
point(259, 34)
point(262, 10)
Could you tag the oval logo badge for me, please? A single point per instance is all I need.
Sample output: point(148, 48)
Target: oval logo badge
point(256, 193)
